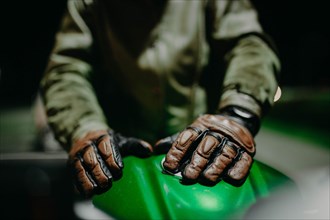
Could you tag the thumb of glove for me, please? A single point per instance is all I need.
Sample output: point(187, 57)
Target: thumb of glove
point(162, 146)
point(132, 146)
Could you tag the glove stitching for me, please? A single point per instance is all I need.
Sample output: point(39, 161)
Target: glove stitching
point(81, 159)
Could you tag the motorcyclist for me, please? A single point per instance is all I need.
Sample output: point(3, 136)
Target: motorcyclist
point(191, 79)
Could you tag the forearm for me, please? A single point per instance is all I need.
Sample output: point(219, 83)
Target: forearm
point(250, 81)
point(70, 103)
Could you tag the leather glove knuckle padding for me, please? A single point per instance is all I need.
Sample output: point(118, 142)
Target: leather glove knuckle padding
point(97, 159)
point(96, 162)
point(212, 148)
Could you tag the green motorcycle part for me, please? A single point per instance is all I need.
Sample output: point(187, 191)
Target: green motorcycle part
point(145, 192)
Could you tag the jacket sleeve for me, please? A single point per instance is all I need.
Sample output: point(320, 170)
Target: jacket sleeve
point(250, 79)
point(70, 102)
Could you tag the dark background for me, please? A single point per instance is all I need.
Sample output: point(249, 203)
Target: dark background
point(39, 188)
point(299, 29)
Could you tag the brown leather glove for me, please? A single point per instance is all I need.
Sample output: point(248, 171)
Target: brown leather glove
point(212, 148)
point(96, 159)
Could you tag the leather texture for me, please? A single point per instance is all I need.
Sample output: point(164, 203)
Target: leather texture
point(212, 148)
point(96, 159)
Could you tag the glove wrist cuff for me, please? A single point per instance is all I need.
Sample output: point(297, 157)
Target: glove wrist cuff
point(243, 117)
point(85, 128)
point(242, 100)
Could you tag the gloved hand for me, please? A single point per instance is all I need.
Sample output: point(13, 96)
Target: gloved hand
point(96, 160)
point(212, 148)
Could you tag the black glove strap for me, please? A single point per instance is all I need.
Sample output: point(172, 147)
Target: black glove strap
point(243, 117)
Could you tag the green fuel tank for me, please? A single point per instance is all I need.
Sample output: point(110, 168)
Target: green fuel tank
point(145, 192)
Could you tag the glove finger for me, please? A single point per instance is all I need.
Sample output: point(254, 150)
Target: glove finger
point(238, 173)
point(109, 152)
point(222, 160)
point(95, 166)
point(163, 145)
point(201, 156)
point(182, 149)
point(81, 178)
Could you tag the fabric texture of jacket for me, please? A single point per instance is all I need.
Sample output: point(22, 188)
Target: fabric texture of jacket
point(148, 68)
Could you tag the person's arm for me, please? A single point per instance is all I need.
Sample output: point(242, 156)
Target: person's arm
point(221, 145)
point(251, 75)
point(71, 105)
point(73, 111)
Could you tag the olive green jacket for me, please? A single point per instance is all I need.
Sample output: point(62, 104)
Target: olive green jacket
point(148, 68)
